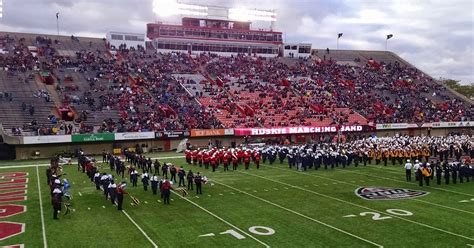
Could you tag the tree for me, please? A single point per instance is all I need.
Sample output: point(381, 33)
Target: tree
point(467, 90)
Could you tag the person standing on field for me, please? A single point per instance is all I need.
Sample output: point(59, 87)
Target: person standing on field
point(154, 184)
point(198, 182)
point(57, 198)
point(190, 178)
point(408, 167)
point(120, 192)
point(181, 176)
point(166, 189)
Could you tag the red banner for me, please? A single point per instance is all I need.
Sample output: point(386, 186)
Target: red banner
point(295, 130)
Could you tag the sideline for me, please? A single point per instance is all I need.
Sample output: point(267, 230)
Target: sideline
point(45, 242)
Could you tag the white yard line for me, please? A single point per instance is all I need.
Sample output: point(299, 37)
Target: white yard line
point(140, 229)
point(442, 206)
point(26, 166)
point(360, 206)
point(22, 166)
point(168, 157)
point(353, 184)
point(300, 214)
point(221, 219)
point(45, 242)
point(401, 181)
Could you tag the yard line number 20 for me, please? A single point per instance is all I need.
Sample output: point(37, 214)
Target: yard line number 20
point(378, 216)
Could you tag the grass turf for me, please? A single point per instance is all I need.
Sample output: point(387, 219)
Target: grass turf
point(305, 209)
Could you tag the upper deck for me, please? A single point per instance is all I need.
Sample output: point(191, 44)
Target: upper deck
point(213, 29)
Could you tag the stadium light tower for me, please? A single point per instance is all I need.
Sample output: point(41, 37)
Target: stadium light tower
point(167, 8)
point(242, 14)
point(389, 36)
point(246, 15)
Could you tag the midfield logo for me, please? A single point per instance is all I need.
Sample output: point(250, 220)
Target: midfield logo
point(379, 193)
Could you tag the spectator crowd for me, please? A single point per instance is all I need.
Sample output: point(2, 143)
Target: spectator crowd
point(135, 89)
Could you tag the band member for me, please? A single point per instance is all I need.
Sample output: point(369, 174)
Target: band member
point(190, 178)
point(247, 160)
point(188, 155)
point(225, 161)
point(145, 181)
point(154, 184)
point(56, 200)
point(97, 180)
point(235, 162)
point(181, 176)
point(408, 167)
point(257, 159)
point(134, 177)
point(112, 189)
point(120, 192)
point(213, 161)
point(198, 182)
point(166, 189)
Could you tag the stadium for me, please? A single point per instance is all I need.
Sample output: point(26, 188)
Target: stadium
point(211, 130)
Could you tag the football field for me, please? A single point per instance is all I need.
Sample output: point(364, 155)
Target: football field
point(269, 207)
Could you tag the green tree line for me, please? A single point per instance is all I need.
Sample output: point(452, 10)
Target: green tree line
point(467, 90)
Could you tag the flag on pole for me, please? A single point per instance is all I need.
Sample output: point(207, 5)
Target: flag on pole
point(339, 35)
point(57, 15)
point(389, 36)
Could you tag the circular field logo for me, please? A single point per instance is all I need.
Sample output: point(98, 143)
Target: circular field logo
point(380, 193)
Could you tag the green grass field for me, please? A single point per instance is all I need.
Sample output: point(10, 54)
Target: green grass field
point(270, 207)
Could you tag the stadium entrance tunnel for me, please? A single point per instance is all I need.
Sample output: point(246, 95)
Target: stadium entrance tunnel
point(7, 152)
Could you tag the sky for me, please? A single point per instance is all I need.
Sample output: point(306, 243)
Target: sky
point(437, 36)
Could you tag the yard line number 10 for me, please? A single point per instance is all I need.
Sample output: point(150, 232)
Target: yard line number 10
point(258, 230)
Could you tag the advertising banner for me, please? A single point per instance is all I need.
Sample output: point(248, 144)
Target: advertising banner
point(388, 126)
point(93, 137)
point(452, 124)
point(135, 136)
point(424, 125)
point(295, 130)
point(210, 132)
point(172, 134)
point(46, 139)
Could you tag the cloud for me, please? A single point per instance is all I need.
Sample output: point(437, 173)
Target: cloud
point(435, 35)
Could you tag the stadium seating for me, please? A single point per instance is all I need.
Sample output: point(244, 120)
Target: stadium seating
point(121, 89)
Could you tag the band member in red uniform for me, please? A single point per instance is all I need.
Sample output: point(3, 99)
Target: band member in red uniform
point(188, 156)
point(225, 161)
point(200, 158)
point(194, 156)
point(240, 155)
point(206, 160)
point(235, 161)
point(257, 159)
point(247, 160)
point(120, 192)
point(166, 189)
point(213, 160)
